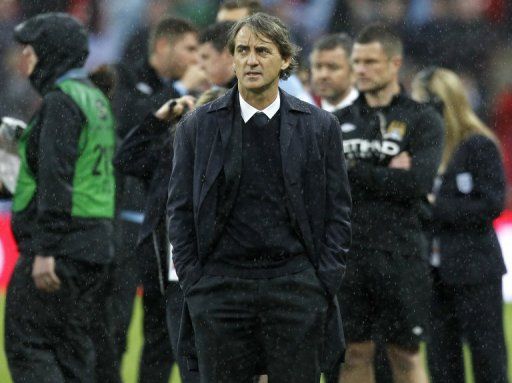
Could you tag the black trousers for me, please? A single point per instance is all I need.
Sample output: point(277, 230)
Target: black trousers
point(133, 266)
point(157, 356)
point(107, 362)
point(244, 325)
point(473, 313)
point(114, 306)
point(174, 310)
point(46, 334)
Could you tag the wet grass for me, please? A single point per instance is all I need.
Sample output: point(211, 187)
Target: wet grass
point(131, 357)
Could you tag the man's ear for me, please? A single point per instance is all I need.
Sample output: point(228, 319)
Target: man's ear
point(396, 61)
point(286, 63)
point(161, 44)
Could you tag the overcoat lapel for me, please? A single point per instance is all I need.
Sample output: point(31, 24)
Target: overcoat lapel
point(291, 165)
point(226, 150)
point(287, 130)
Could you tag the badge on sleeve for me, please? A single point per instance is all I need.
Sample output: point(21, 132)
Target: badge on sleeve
point(464, 182)
point(347, 127)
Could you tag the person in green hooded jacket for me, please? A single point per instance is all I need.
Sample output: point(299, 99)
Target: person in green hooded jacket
point(63, 207)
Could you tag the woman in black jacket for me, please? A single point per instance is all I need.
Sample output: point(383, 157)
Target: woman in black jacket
point(466, 257)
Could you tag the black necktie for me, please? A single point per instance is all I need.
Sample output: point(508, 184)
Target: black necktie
point(260, 119)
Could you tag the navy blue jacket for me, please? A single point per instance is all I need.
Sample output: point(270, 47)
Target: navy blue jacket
point(315, 181)
point(207, 149)
point(470, 197)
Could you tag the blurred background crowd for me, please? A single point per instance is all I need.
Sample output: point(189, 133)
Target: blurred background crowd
point(471, 37)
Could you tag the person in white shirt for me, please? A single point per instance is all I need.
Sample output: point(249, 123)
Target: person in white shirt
point(331, 72)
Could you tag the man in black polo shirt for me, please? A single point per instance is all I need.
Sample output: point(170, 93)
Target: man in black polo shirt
point(393, 147)
point(259, 221)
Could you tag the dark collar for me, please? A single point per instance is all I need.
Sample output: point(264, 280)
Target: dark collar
point(397, 98)
point(231, 83)
point(147, 74)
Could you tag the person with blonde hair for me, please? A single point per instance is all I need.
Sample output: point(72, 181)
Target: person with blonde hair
point(466, 257)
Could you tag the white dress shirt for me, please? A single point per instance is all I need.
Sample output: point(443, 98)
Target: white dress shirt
point(351, 97)
point(248, 111)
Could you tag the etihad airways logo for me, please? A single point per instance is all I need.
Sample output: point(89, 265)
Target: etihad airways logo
point(359, 148)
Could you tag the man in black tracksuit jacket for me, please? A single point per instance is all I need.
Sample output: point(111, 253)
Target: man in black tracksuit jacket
point(137, 92)
point(393, 147)
point(133, 265)
point(146, 153)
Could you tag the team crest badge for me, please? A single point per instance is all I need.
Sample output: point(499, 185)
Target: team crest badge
point(464, 182)
point(396, 131)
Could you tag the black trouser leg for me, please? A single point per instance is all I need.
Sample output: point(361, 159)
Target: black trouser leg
point(481, 315)
point(292, 320)
point(46, 334)
point(126, 277)
point(332, 376)
point(174, 311)
point(107, 363)
point(157, 357)
point(113, 309)
point(445, 358)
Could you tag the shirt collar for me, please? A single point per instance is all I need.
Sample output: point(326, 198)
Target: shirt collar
point(347, 101)
point(248, 111)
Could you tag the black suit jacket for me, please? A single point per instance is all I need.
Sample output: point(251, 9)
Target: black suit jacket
point(470, 197)
point(204, 182)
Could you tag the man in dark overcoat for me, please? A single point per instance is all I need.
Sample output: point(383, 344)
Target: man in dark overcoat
point(259, 220)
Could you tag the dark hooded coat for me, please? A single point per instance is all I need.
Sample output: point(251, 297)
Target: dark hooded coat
point(61, 46)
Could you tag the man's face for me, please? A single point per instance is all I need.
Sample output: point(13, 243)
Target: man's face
point(257, 61)
point(331, 74)
point(218, 66)
point(29, 60)
point(232, 14)
point(177, 54)
point(373, 68)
